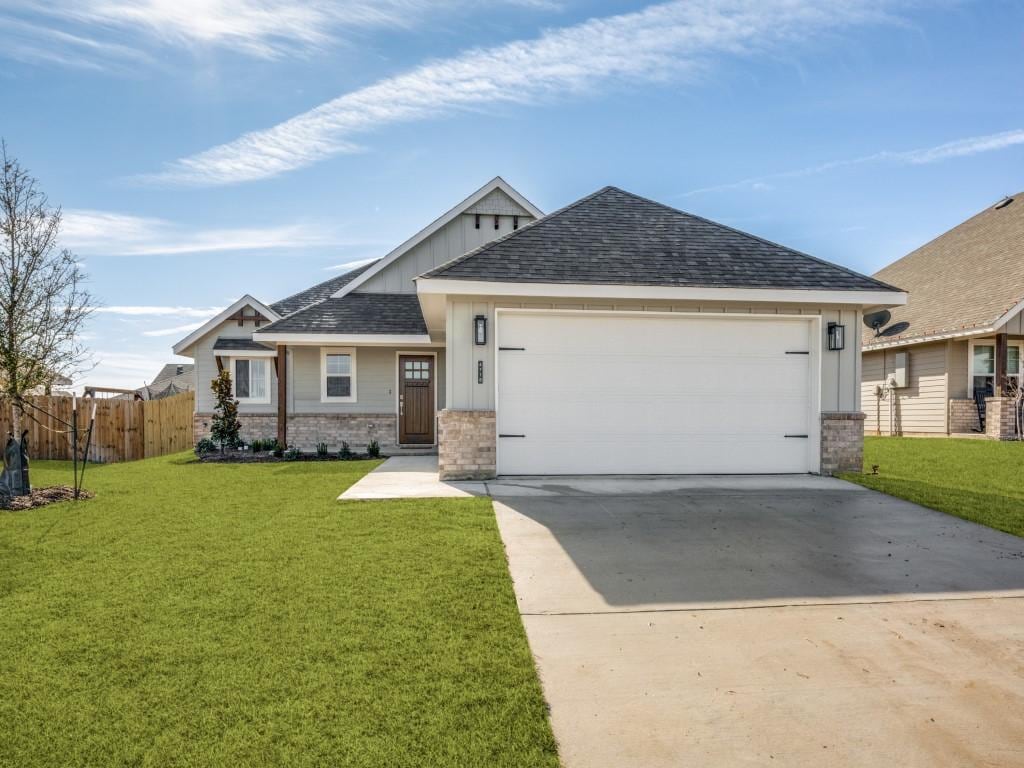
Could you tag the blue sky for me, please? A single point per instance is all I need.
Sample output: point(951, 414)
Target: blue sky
point(203, 149)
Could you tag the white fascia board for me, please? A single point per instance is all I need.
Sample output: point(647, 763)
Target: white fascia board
point(363, 339)
point(653, 292)
point(208, 326)
point(1009, 315)
point(496, 183)
point(874, 346)
point(245, 352)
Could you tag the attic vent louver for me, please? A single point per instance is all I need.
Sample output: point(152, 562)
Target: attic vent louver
point(1003, 203)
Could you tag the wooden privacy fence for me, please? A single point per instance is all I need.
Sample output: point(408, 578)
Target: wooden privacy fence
point(125, 429)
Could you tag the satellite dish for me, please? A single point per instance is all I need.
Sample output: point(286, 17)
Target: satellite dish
point(877, 320)
point(894, 330)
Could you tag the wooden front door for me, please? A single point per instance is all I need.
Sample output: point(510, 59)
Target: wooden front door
point(416, 399)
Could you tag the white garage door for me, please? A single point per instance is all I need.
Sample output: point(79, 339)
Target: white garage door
point(593, 393)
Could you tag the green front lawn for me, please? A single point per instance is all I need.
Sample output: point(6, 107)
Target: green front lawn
point(237, 615)
point(978, 480)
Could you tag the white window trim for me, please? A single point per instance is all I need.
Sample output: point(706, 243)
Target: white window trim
point(324, 352)
point(989, 342)
point(251, 400)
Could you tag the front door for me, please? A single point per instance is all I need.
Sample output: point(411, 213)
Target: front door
point(416, 399)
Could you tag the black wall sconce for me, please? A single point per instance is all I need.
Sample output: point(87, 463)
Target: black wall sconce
point(497, 221)
point(480, 330)
point(836, 337)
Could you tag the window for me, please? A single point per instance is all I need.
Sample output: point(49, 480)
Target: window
point(251, 379)
point(983, 365)
point(417, 370)
point(338, 375)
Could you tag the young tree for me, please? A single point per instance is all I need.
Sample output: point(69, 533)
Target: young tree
point(43, 304)
point(225, 426)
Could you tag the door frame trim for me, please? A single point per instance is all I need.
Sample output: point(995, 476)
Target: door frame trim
point(398, 384)
point(814, 369)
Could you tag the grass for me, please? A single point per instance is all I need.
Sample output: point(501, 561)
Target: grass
point(237, 615)
point(978, 480)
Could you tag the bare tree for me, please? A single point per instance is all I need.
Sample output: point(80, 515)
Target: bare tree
point(43, 304)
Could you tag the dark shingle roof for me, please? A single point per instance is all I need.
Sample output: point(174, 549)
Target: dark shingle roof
point(386, 313)
point(223, 344)
point(614, 237)
point(966, 279)
point(318, 292)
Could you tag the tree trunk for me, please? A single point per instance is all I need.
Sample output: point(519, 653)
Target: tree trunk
point(16, 421)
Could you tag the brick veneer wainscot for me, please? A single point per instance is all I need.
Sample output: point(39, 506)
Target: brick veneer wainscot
point(842, 442)
point(963, 416)
point(306, 430)
point(466, 445)
point(1000, 419)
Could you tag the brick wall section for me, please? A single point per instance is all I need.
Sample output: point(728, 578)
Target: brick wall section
point(1000, 419)
point(842, 442)
point(466, 447)
point(305, 430)
point(963, 416)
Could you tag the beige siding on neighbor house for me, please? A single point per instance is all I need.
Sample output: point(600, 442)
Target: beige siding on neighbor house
point(839, 377)
point(919, 408)
point(453, 239)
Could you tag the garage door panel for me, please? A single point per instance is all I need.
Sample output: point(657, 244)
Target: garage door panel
point(653, 394)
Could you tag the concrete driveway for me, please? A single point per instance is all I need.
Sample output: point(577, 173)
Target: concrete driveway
point(766, 621)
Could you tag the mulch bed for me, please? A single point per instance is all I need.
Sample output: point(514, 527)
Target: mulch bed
point(248, 457)
point(40, 497)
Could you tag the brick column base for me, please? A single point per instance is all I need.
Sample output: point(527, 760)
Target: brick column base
point(1000, 419)
point(466, 445)
point(842, 442)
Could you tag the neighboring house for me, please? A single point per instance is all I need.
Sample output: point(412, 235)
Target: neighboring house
point(173, 379)
point(956, 345)
point(616, 335)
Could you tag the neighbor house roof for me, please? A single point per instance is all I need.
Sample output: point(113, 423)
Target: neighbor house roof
point(618, 238)
point(356, 313)
point(171, 370)
point(318, 292)
point(971, 279)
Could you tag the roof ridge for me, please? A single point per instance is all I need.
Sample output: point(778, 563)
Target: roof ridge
point(513, 233)
point(756, 237)
point(360, 269)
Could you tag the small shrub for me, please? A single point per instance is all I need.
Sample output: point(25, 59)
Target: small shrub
point(321, 450)
point(270, 444)
point(224, 425)
point(205, 446)
point(277, 450)
point(345, 452)
point(373, 449)
point(256, 446)
point(291, 454)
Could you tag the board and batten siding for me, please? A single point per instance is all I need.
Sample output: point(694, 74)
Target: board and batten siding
point(840, 375)
point(919, 408)
point(455, 238)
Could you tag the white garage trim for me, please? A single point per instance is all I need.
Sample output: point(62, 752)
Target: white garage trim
point(814, 338)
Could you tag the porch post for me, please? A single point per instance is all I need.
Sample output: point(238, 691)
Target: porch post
point(1000, 386)
point(282, 394)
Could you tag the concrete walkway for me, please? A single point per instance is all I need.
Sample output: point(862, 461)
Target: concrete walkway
point(409, 477)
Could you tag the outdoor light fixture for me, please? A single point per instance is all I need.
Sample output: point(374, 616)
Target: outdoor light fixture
point(836, 337)
point(480, 330)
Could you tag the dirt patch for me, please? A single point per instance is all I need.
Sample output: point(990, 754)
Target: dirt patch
point(40, 497)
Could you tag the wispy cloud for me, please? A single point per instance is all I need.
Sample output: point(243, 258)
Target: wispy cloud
point(952, 149)
point(660, 43)
point(102, 233)
point(83, 32)
point(126, 369)
point(151, 311)
point(175, 331)
point(350, 265)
